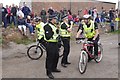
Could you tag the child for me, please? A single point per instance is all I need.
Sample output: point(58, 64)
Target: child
point(112, 25)
point(21, 25)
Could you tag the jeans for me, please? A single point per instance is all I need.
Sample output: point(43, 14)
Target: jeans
point(30, 27)
point(14, 19)
point(4, 19)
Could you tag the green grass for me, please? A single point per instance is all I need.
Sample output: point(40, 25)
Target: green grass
point(24, 41)
point(0, 40)
point(107, 23)
point(115, 32)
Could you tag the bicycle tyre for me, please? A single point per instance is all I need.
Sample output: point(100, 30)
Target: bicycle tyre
point(83, 59)
point(100, 54)
point(34, 48)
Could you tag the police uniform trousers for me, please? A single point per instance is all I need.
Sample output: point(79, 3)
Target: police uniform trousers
point(66, 45)
point(52, 56)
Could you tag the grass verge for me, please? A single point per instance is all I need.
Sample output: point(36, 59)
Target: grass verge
point(116, 32)
point(24, 41)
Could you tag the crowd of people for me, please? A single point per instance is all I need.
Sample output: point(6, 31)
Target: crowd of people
point(14, 14)
point(17, 15)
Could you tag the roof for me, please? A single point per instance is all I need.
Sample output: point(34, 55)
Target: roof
point(109, 1)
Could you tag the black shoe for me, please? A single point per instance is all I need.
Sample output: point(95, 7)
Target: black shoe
point(56, 70)
point(67, 63)
point(50, 76)
point(90, 59)
point(63, 65)
point(95, 57)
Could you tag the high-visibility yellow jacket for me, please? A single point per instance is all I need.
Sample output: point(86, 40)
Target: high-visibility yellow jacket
point(89, 31)
point(64, 32)
point(54, 38)
point(40, 30)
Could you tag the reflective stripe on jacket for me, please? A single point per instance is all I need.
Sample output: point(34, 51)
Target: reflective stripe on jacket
point(64, 32)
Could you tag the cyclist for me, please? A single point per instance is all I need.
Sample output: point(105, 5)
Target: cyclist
point(40, 32)
point(90, 29)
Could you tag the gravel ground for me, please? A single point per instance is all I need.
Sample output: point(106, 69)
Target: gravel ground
point(15, 63)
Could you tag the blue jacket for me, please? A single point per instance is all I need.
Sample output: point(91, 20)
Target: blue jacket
point(97, 20)
point(26, 10)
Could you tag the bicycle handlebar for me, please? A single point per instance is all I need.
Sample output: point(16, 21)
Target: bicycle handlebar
point(84, 41)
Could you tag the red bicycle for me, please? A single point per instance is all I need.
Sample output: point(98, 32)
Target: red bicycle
point(88, 51)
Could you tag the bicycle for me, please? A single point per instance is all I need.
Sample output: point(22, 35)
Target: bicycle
point(35, 52)
point(88, 50)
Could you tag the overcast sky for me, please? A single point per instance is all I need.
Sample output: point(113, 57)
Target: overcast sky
point(9, 2)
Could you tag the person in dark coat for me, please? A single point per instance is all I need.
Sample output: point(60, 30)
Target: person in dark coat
point(26, 10)
point(43, 15)
point(4, 15)
point(14, 14)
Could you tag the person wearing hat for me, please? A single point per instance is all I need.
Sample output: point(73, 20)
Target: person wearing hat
point(51, 37)
point(40, 32)
point(65, 33)
point(90, 29)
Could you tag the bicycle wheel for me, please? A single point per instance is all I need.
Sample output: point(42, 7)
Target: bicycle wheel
point(82, 65)
point(100, 53)
point(34, 52)
point(61, 51)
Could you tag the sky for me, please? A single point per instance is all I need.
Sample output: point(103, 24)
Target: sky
point(9, 2)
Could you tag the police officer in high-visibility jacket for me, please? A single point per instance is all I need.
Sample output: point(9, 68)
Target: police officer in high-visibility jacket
point(51, 36)
point(40, 32)
point(65, 33)
point(90, 29)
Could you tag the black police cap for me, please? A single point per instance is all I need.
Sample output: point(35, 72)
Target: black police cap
point(52, 16)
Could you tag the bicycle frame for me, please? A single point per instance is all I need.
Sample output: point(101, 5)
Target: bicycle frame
point(41, 45)
point(85, 45)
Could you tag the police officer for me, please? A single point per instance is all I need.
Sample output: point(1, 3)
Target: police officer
point(51, 35)
point(65, 33)
point(91, 32)
point(40, 31)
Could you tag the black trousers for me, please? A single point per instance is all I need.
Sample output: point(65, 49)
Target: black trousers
point(66, 45)
point(95, 44)
point(112, 28)
point(52, 57)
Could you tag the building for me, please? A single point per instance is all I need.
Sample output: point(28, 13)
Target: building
point(74, 6)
